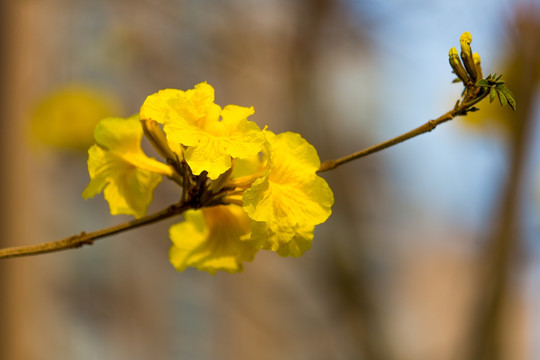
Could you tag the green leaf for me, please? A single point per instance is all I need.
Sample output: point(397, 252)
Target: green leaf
point(482, 82)
point(456, 80)
point(502, 98)
point(510, 97)
point(492, 95)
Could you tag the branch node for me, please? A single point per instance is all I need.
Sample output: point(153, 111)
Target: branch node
point(432, 124)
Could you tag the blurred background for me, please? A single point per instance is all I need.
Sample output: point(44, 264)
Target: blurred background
point(432, 251)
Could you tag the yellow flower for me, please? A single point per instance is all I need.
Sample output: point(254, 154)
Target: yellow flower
point(290, 199)
point(65, 119)
point(212, 239)
point(118, 167)
point(212, 136)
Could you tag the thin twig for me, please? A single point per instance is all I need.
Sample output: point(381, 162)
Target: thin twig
point(459, 109)
point(84, 238)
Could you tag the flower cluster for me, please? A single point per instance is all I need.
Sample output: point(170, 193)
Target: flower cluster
point(247, 189)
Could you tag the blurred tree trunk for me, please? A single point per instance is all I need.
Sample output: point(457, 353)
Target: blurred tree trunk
point(7, 229)
point(489, 340)
point(17, 303)
point(4, 114)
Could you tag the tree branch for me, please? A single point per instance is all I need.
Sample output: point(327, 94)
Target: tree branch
point(459, 109)
point(84, 238)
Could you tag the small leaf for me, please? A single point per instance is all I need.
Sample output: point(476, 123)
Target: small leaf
point(492, 95)
point(512, 103)
point(482, 82)
point(510, 97)
point(456, 80)
point(502, 98)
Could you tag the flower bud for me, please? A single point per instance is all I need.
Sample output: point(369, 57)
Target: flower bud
point(477, 63)
point(459, 70)
point(467, 56)
point(159, 142)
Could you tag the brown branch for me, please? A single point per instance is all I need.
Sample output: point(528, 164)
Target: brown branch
point(84, 238)
point(459, 109)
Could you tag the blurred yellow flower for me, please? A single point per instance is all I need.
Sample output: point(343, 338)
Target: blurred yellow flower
point(118, 167)
point(212, 239)
point(65, 119)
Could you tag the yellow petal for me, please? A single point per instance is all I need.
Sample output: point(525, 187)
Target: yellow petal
point(307, 200)
point(127, 189)
point(157, 105)
point(212, 239)
point(285, 241)
point(100, 168)
point(195, 105)
point(207, 157)
point(119, 134)
point(300, 243)
point(188, 129)
point(122, 137)
point(200, 99)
